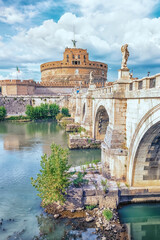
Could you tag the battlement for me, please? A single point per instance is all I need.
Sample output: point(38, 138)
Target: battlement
point(17, 82)
point(17, 87)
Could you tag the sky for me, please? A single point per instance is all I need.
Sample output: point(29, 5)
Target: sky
point(35, 32)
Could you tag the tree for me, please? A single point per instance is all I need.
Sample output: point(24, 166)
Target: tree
point(30, 111)
point(53, 110)
point(53, 179)
point(43, 111)
point(2, 113)
point(65, 112)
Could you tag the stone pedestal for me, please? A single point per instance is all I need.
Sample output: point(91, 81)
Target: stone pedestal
point(92, 86)
point(123, 75)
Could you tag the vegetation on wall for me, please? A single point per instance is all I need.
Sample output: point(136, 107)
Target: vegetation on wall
point(2, 113)
point(53, 179)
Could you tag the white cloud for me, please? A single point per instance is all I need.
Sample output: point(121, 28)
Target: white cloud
point(10, 15)
point(101, 27)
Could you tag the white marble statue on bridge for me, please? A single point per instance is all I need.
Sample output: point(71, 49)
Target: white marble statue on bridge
point(91, 78)
point(125, 55)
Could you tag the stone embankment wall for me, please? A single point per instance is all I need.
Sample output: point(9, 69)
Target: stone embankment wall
point(77, 141)
point(17, 105)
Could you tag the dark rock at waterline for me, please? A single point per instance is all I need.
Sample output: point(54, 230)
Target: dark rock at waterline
point(16, 235)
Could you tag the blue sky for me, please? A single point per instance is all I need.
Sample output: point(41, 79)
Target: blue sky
point(34, 32)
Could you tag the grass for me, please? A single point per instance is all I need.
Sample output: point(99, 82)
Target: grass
point(90, 207)
point(96, 161)
point(18, 118)
point(80, 181)
point(107, 214)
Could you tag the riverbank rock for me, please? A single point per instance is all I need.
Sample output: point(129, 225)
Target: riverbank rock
point(90, 219)
point(72, 127)
point(82, 142)
point(56, 216)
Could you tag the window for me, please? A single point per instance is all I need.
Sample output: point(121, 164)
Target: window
point(140, 85)
point(78, 56)
point(76, 62)
point(130, 86)
point(73, 56)
point(102, 73)
point(84, 57)
point(152, 83)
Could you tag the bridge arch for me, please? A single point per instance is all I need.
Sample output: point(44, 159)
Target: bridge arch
point(101, 123)
point(144, 151)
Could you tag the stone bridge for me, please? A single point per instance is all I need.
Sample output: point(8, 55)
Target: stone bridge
point(126, 117)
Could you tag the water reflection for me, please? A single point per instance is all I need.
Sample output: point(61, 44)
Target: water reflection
point(50, 229)
point(143, 220)
point(64, 229)
point(23, 136)
point(21, 148)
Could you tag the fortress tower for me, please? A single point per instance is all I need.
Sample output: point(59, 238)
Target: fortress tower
point(73, 70)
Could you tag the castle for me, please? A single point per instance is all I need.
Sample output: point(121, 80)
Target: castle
point(60, 77)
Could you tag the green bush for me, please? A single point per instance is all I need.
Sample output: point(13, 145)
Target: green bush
point(65, 112)
point(43, 111)
point(2, 113)
point(30, 111)
point(79, 181)
point(53, 179)
point(91, 207)
point(107, 214)
point(53, 110)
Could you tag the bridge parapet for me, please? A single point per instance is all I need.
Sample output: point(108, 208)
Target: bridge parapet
point(149, 86)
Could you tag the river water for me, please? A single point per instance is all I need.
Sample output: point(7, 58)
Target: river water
point(21, 148)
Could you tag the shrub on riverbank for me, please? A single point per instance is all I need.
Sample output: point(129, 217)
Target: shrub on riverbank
point(12, 118)
point(107, 214)
point(53, 110)
point(53, 179)
point(59, 116)
point(2, 113)
point(43, 111)
point(65, 112)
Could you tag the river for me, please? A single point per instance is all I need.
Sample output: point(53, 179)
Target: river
point(21, 148)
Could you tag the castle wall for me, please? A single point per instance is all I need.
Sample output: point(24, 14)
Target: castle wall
point(16, 105)
point(17, 87)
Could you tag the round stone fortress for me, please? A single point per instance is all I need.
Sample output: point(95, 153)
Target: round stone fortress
point(74, 70)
